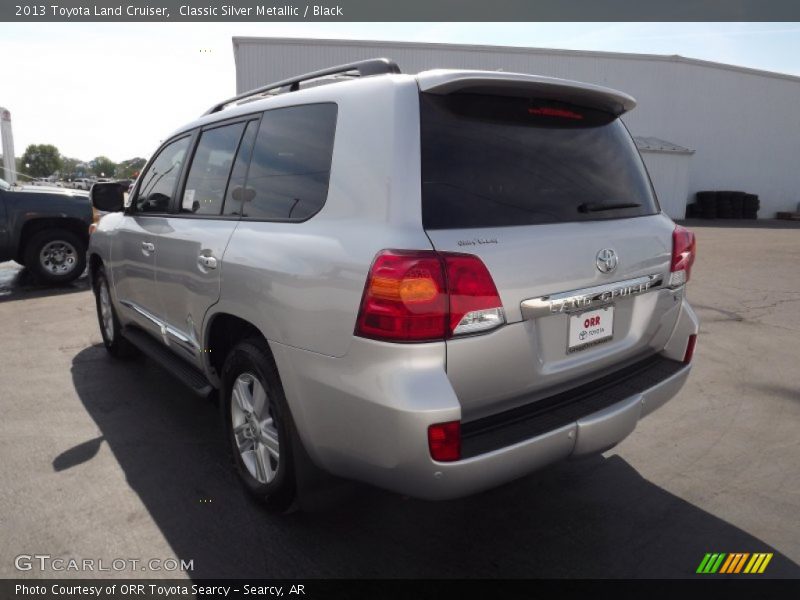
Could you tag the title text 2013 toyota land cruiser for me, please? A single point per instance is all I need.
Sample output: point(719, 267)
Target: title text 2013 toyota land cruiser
point(434, 283)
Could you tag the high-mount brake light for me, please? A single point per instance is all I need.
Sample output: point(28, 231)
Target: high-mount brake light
point(547, 111)
point(419, 296)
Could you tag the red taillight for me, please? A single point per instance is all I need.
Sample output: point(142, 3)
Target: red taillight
point(687, 357)
point(415, 296)
point(474, 302)
point(404, 299)
point(683, 253)
point(444, 441)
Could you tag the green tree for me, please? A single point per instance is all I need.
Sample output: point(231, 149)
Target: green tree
point(40, 160)
point(129, 169)
point(69, 166)
point(102, 166)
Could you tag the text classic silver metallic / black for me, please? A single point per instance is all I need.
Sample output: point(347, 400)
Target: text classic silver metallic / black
point(433, 283)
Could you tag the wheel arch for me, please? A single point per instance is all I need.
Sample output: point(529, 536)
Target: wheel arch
point(223, 331)
point(94, 262)
point(38, 224)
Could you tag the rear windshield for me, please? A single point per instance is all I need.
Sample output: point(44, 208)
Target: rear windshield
point(494, 161)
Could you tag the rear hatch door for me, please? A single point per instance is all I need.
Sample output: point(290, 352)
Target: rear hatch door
point(543, 182)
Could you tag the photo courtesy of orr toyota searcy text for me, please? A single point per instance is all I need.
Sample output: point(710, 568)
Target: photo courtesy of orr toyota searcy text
point(162, 591)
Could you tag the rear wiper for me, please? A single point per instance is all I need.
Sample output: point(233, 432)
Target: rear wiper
point(599, 206)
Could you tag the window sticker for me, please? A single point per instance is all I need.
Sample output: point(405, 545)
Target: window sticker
point(188, 201)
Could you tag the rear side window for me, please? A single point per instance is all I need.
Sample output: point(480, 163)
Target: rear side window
point(160, 179)
point(211, 166)
point(494, 161)
point(291, 163)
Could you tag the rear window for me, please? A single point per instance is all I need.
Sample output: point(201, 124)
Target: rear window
point(494, 161)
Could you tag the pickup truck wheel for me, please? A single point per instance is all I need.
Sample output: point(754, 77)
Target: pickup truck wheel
point(55, 256)
point(258, 424)
point(110, 328)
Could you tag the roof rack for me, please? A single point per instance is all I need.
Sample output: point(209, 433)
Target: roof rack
point(364, 68)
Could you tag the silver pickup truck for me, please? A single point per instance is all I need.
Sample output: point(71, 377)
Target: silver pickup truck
point(434, 283)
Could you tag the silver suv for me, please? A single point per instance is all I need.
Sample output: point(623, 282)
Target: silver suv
point(433, 283)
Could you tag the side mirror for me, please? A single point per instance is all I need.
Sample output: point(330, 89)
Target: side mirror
point(108, 197)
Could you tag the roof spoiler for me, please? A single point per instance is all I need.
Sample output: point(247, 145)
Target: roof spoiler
point(512, 84)
point(362, 68)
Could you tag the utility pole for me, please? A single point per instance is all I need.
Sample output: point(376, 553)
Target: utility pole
point(9, 162)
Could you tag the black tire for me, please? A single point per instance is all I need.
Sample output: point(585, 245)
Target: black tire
point(724, 207)
point(117, 346)
point(253, 358)
point(737, 202)
point(706, 199)
point(751, 203)
point(73, 253)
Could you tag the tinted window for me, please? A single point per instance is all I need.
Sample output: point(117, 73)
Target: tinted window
point(289, 172)
point(490, 161)
point(236, 186)
point(211, 166)
point(158, 182)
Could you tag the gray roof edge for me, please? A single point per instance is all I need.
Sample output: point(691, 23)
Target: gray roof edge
point(653, 144)
point(518, 50)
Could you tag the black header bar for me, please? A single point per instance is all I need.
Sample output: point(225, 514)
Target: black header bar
point(399, 10)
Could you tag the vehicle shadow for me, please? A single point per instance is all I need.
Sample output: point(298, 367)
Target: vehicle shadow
point(17, 283)
point(592, 518)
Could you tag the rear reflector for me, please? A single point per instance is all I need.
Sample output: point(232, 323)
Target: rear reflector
point(687, 357)
point(684, 249)
point(444, 441)
point(418, 296)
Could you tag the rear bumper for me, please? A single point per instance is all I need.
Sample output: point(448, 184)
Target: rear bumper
point(365, 416)
point(588, 435)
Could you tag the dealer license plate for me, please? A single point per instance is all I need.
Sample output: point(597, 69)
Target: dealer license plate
point(589, 328)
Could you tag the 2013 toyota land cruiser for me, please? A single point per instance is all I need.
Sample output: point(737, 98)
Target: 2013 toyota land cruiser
point(433, 283)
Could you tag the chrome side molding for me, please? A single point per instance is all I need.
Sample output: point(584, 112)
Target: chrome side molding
point(587, 298)
point(168, 332)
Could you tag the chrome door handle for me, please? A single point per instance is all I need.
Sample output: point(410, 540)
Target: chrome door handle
point(148, 247)
point(209, 262)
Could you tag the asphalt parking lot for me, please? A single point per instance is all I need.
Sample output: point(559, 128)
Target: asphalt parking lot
point(107, 459)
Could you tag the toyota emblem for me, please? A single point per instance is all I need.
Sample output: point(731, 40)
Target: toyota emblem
point(606, 260)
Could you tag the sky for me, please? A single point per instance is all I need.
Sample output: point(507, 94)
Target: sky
point(118, 89)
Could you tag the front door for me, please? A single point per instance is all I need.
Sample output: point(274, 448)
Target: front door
point(139, 236)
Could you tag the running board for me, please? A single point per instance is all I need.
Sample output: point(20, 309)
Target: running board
point(187, 374)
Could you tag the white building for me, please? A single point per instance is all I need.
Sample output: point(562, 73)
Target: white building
point(700, 125)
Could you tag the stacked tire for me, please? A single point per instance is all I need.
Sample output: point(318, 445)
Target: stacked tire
point(750, 206)
point(707, 205)
point(737, 203)
point(724, 205)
